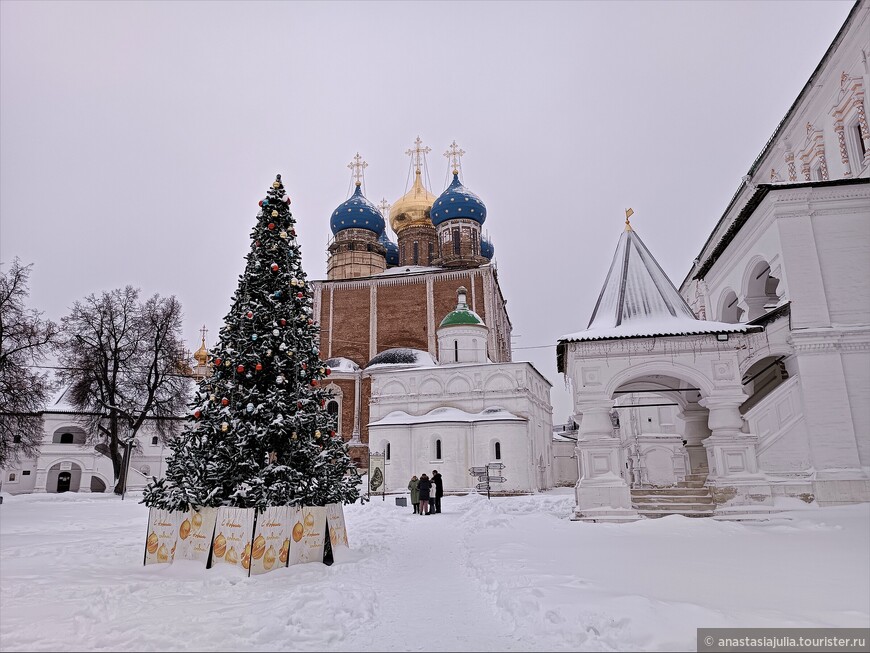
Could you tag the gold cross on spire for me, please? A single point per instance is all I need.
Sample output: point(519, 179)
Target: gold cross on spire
point(202, 332)
point(357, 166)
point(418, 154)
point(454, 155)
point(384, 206)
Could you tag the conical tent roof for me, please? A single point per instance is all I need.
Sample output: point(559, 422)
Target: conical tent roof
point(638, 300)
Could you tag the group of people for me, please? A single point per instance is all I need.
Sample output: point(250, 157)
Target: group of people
point(426, 493)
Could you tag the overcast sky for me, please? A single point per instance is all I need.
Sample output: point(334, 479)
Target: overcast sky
point(136, 138)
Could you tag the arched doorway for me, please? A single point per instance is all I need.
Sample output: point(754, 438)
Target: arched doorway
point(63, 477)
point(661, 427)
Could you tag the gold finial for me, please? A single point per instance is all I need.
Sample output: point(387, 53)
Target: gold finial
point(628, 213)
point(454, 155)
point(418, 154)
point(357, 167)
point(384, 206)
point(201, 354)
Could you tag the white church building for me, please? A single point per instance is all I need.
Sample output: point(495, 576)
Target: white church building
point(763, 351)
point(461, 412)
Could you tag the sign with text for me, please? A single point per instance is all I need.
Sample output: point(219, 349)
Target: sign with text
point(162, 533)
point(195, 534)
point(336, 525)
point(233, 533)
point(271, 547)
point(307, 535)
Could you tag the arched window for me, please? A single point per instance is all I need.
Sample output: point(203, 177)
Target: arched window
point(12, 477)
point(474, 246)
point(388, 450)
point(154, 439)
point(455, 351)
point(437, 449)
point(66, 438)
point(498, 450)
point(416, 253)
point(16, 439)
point(457, 242)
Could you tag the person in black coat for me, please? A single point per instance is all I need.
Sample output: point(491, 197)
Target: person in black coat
point(424, 487)
point(439, 490)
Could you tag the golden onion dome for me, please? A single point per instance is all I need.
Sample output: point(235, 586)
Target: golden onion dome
point(412, 209)
point(201, 354)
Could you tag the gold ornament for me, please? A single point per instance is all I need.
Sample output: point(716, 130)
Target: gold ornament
point(224, 426)
point(293, 435)
point(276, 184)
point(317, 434)
point(274, 214)
point(283, 235)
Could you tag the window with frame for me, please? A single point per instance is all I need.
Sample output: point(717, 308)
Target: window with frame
point(26, 472)
point(66, 438)
point(16, 439)
point(457, 241)
point(498, 450)
point(12, 477)
point(437, 449)
point(416, 253)
point(388, 451)
point(154, 439)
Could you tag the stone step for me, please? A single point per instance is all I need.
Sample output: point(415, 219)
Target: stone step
point(669, 492)
point(664, 513)
point(691, 484)
point(676, 498)
point(675, 508)
point(696, 477)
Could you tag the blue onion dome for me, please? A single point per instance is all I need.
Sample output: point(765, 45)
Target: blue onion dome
point(357, 213)
point(391, 247)
point(458, 202)
point(487, 249)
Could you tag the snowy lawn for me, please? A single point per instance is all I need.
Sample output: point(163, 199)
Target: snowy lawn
point(510, 574)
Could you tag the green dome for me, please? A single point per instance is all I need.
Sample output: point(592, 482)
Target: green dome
point(461, 315)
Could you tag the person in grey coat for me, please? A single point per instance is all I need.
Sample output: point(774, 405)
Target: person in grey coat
point(415, 494)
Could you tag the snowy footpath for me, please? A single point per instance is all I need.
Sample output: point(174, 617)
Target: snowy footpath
point(511, 574)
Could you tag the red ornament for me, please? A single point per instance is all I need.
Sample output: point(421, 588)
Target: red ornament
point(225, 402)
point(271, 226)
point(322, 403)
point(197, 414)
point(217, 362)
point(304, 366)
point(259, 367)
point(260, 203)
point(240, 369)
point(249, 315)
point(299, 295)
point(332, 434)
point(310, 321)
point(283, 321)
point(292, 232)
point(328, 371)
point(286, 199)
point(299, 404)
point(314, 382)
point(274, 267)
point(256, 243)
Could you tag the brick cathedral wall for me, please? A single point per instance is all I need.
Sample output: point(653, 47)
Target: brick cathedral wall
point(350, 332)
point(347, 405)
point(402, 316)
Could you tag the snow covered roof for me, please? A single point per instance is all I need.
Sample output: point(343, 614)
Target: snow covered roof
point(447, 414)
point(340, 364)
point(638, 300)
point(406, 269)
point(401, 357)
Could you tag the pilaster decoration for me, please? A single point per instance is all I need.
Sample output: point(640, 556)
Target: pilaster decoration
point(844, 153)
point(331, 306)
point(792, 169)
point(814, 152)
point(695, 432)
point(430, 316)
point(471, 275)
point(373, 321)
point(492, 348)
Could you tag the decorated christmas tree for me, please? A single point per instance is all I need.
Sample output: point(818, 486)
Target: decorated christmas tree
point(259, 434)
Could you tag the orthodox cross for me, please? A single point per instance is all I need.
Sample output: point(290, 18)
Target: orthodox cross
point(454, 155)
point(418, 154)
point(202, 332)
point(357, 166)
point(384, 206)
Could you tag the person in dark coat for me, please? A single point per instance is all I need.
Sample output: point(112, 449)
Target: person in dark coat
point(415, 494)
point(424, 487)
point(439, 490)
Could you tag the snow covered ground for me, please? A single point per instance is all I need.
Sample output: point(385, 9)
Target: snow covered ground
point(509, 574)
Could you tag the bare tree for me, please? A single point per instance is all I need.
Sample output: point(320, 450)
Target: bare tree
point(124, 363)
point(25, 339)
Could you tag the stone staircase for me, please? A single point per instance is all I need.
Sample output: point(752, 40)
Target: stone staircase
point(688, 498)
